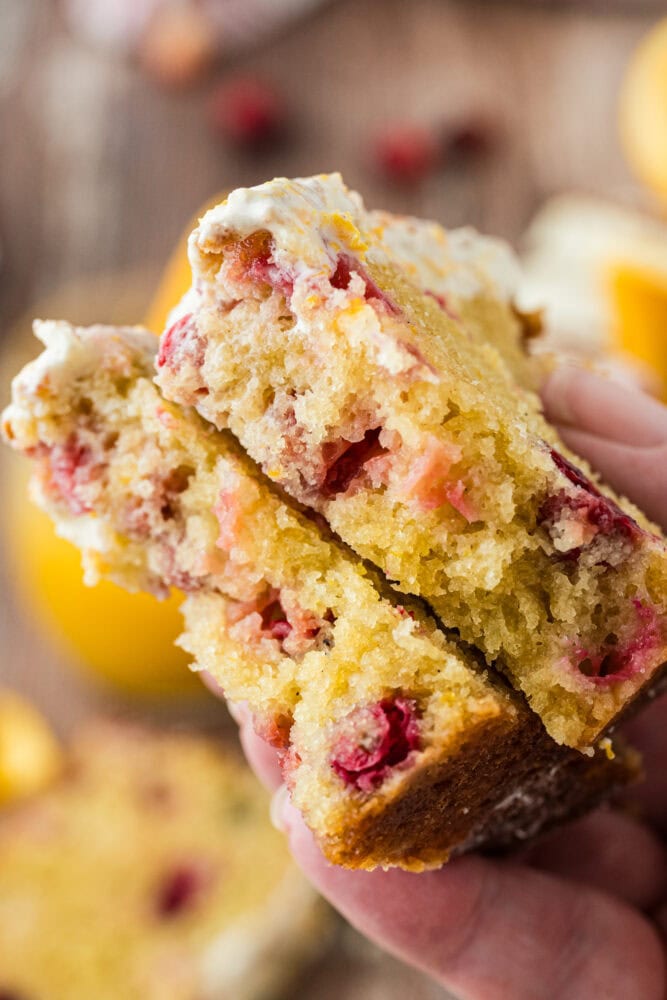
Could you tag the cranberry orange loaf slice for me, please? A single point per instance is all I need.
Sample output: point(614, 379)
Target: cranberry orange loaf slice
point(150, 871)
point(397, 746)
point(307, 333)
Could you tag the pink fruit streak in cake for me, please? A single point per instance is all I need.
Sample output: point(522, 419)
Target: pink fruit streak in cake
point(588, 509)
point(344, 461)
point(181, 344)
point(69, 468)
point(429, 485)
point(273, 615)
point(443, 303)
point(251, 260)
point(375, 739)
point(456, 497)
point(274, 730)
point(145, 512)
point(613, 663)
point(346, 266)
point(228, 511)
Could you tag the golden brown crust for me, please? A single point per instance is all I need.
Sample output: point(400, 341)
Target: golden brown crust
point(505, 785)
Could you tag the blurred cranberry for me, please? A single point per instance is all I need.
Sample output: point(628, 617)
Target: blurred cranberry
point(247, 111)
point(406, 153)
point(469, 137)
point(179, 889)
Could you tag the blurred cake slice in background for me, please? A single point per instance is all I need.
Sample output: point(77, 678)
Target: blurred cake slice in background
point(600, 271)
point(149, 871)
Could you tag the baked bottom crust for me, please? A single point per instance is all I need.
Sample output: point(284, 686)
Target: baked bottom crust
point(550, 784)
point(376, 402)
point(359, 689)
point(144, 873)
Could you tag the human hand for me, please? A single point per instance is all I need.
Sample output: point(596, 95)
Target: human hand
point(567, 919)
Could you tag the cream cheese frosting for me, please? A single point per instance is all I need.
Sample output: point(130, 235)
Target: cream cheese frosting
point(312, 220)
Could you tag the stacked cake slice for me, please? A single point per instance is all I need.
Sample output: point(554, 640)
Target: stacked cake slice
point(351, 370)
point(373, 368)
point(377, 713)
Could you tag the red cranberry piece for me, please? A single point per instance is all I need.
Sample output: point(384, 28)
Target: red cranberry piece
point(70, 468)
point(588, 506)
point(181, 344)
point(248, 112)
point(350, 461)
point(251, 259)
point(179, 890)
point(620, 662)
point(345, 267)
point(180, 578)
point(601, 665)
point(175, 482)
point(274, 620)
point(406, 153)
point(281, 623)
point(574, 474)
point(341, 276)
point(275, 730)
point(375, 739)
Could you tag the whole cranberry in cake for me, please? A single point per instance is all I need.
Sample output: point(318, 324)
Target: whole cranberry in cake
point(375, 739)
point(574, 518)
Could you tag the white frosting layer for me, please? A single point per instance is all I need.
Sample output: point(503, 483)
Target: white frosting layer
point(72, 352)
point(312, 220)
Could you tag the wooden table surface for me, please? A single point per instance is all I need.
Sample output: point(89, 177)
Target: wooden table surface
point(100, 171)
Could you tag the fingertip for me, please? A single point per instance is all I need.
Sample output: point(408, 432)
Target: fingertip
point(588, 401)
point(557, 392)
point(239, 712)
point(209, 682)
point(262, 757)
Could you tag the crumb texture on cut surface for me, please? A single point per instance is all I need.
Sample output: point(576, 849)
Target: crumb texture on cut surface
point(358, 360)
point(363, 695)
point(150, 871)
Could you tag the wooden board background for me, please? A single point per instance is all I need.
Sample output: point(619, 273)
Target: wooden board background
point(99, 171)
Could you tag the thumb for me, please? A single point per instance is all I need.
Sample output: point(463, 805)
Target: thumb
point(622, 432)
point(489, 929)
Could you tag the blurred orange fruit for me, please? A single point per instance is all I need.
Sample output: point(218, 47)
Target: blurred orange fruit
point(643, 110)
point(30, 756)
point(639, 299)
